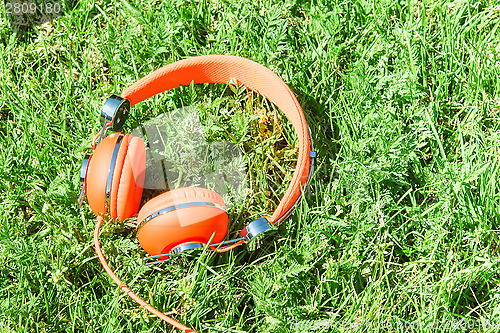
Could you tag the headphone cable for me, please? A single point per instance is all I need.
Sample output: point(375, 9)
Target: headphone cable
point(129, 292)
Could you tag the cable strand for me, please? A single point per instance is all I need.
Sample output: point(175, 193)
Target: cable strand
point(129, 292)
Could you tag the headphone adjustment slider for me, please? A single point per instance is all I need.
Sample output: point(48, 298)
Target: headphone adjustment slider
point(255, 228)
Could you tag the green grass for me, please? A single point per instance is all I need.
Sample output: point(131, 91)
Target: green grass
point(401, 222)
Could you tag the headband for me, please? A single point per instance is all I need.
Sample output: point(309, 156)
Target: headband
point(256, 77)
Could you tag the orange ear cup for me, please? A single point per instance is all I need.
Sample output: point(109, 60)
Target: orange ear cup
point(127, 179)
point(181, 216)
point(97, 174)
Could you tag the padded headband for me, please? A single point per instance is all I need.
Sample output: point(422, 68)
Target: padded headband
point(220, 69)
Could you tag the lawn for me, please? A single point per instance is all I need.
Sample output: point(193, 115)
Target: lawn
point(399, 230)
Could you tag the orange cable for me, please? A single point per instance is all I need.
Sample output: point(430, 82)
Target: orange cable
point(129, 292)
point(227, 248)
point(108, 124)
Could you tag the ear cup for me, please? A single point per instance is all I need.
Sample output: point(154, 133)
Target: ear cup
point(98, 173)
point(181, 216)
point(126, 176)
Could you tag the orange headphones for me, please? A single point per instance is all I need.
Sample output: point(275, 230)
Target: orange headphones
point(186, 218)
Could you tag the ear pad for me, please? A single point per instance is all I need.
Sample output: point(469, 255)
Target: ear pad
point(181, 216)
point(126, 176)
